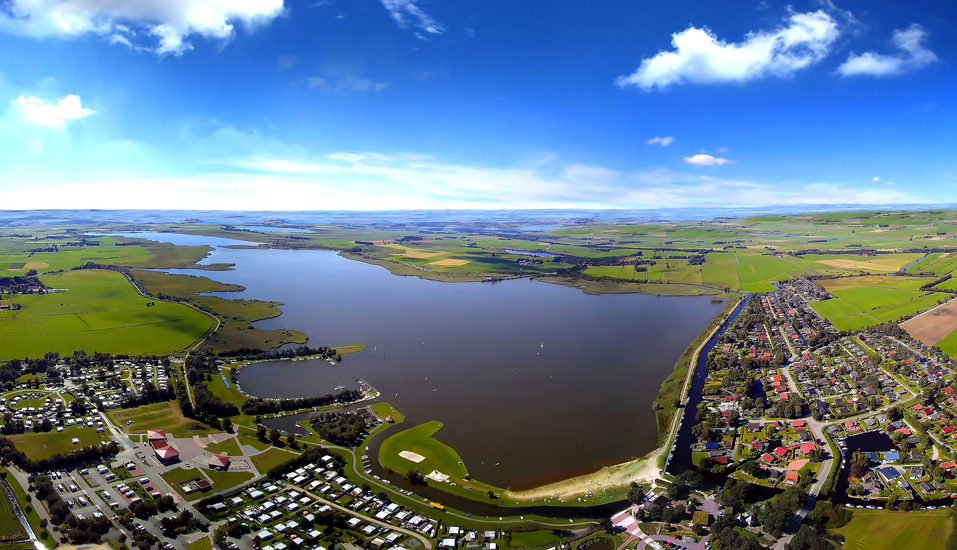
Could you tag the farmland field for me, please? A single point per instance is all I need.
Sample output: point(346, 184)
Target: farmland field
point(883, 530)
point(96, 310)
point(865, 301)
point(10, 527)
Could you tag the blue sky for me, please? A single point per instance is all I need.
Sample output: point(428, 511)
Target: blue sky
point(382, 104)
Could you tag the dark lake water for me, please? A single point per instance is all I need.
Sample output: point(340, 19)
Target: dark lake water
point(542, 380)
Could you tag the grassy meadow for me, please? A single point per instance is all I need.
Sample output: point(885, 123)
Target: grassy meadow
point(884, 530)
point(95, 310)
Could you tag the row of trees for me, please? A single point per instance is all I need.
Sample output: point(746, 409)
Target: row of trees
point(259, 406)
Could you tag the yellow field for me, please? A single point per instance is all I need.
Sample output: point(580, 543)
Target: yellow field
point(450, 262)
point(413, 252)
point(863, 266)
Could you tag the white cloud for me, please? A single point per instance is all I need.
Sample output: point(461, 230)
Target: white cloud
point(344, 78)
point(318, 82)
point(403, 10)
point(46, 114)
point(700, 58)
point(913, 55)
point(663, 141)
point(876, 179)
point(169, 22)
point(706, 160)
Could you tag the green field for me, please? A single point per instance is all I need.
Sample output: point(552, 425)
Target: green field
point(534, 539)
point(201, 544)
point(226, 480)
point(865, 301)
point(228, 447)
point(43, 444)
point(159, 416)
point(438, 455)
point(10, 526)
point(97, 310)
point(883, 530)
point(271, 458)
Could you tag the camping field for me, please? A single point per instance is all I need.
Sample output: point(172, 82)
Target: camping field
point(883, 530)
point(40, 445)
point(95, 310)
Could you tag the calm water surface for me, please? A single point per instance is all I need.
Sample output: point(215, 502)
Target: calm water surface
point(533, 381)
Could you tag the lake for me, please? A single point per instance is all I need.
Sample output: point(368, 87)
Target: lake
point(534, 382)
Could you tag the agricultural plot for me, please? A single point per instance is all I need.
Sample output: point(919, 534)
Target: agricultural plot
point(938, 263)
point(757, 272)
point(95, 310)
point(865, 301)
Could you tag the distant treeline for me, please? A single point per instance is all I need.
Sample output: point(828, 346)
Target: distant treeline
point(19, 284)
point(255, 354)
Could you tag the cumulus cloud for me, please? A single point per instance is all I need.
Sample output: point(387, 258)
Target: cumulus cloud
point(706, 160)
point(162, 26)
point(699, 57)
point(913, 55)
point(35, 110)
point(403, 11)
point(663, 141)
point(876, 179)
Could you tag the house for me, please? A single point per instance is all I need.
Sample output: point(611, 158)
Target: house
point(218, 462)
point(790, 478)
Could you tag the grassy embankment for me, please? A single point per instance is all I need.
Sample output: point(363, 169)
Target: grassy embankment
point(98, 310)
point(235, 315)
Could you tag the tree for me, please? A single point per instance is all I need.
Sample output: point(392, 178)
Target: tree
point(635, 493)
point(291, 440)
point(227, 425)
point(276, 437)
point(261, 433)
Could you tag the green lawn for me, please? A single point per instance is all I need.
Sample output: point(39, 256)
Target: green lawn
point(884, 530)
point(41, 445)
point(267, 460)
point(201, 544)
point(247, 438)
point(159, 416)
point(225, 480)
point(98, 310)
point(438, 455)
point(228, 447)
point(534, 538)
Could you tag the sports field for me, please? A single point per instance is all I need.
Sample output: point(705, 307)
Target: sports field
point(418, 440)
point(884, 530)
point(95, 310)
point(865, 301)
